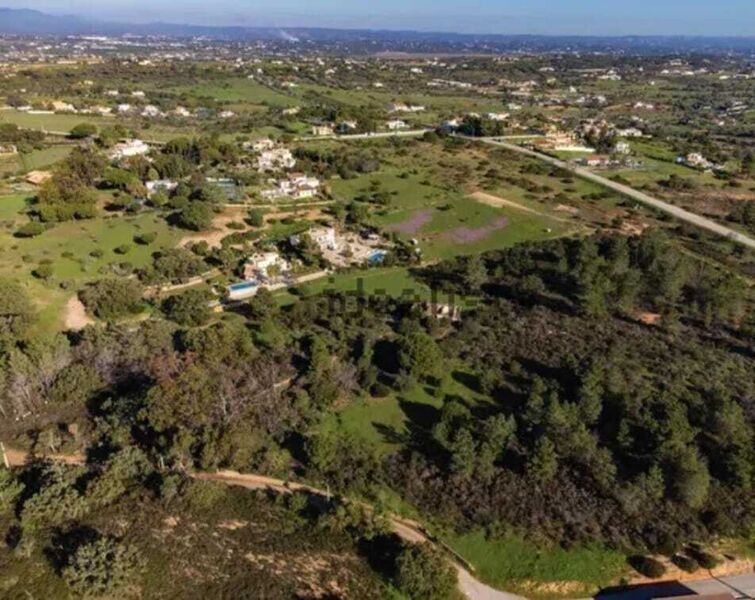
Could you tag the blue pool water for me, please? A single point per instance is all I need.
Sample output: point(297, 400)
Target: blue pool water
point(376, 257)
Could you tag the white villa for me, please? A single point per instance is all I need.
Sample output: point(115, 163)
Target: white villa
point(275, 160)
point(127, 149)
point(396, 124)
point(297, 186)
point(259, 265)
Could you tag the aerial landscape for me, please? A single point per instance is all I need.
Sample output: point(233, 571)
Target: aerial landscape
point(316, 301)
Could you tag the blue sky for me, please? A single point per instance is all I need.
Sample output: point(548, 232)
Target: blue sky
point(592, 17)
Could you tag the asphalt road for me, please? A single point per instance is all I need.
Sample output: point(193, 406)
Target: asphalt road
point(675, 211)
point(740, 586)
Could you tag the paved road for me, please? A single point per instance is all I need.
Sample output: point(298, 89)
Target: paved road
point(675, 211)
point(368, 136)
point(740, 586)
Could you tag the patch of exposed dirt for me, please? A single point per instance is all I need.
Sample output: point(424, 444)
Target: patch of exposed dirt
point(76, 317)
point(316, 576)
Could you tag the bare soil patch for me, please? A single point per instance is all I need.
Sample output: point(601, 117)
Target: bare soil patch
point(76, 317)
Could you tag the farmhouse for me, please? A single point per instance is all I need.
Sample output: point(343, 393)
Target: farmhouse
point(59, 106)
point(396, 124)
point(297, 186)
point(322, 130)
point(164, 185)
point(264, 265)
point(127, 149)
point(275, 160)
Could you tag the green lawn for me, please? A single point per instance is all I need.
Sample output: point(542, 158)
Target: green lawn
point(514, 564)
point(42, 159)
point(394, 281)
point(53, 122)
point(387, 422)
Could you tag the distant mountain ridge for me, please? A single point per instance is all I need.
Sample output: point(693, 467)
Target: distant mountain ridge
point(33, 22)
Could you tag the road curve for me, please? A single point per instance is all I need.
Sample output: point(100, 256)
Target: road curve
point(625, 190)
point(406, 529)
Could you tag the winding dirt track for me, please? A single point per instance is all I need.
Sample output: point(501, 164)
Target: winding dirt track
point(406, 529)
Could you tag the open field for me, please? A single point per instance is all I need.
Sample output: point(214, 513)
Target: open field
point(514, 564)
point(239, 91)
point(68, 248)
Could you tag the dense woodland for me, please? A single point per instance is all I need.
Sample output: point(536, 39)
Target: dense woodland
point(617, 375)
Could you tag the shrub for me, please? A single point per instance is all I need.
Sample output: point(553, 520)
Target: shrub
point(83, 130)
point(380, 390)
point(31, 229)
point(112, 298)
point(43, 271)
point(423, 573)
point(647, 566)
point(705, 559)
point(685, 563)
point(197, 216)
point(256, 218)
point(190, 308)
point(145, 239)
point(123, 249)
point(101, 568)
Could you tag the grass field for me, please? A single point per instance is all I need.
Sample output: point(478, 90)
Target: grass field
point(244, 91)
point(42, 159)
point(386, 423)
point(514, 564)
point(395, 282)
point(68, 249)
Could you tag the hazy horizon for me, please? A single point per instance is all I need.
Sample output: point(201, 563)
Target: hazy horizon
point(570, 17)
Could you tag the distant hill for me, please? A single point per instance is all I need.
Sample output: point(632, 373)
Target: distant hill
point(33, 22)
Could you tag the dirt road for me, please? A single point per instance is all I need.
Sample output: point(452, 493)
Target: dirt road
point(406, 529)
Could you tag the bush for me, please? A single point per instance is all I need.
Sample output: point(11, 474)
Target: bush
point(380, 390)
point(197, 216)
point(705, 559)
point(43, 271)
point(685, 563)
point(100, 568)
point(647, 566)
point(424, 574)
point(123, 249)
point(83, 130)
point(32, 229)
point(145, 239)
point(112, 298)
point(256, 218)
point(190, 308)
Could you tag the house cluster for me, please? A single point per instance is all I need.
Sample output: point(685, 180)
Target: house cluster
point(344, 249)
point(562, 141)
point(275, 159)
point(695, 160)
point(297, 186)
